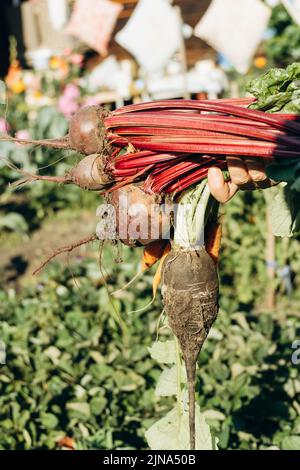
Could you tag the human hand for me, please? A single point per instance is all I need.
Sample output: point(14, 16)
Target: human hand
point(245, 173)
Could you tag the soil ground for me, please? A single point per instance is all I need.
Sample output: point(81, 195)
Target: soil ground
point(20, 255)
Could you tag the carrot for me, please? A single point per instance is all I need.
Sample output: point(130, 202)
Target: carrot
point(158, 274)
point(157, 278)
point(153, 253)
point(213, 237)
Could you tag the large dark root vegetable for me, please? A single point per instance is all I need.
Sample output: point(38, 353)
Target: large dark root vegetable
point(139, 212)
point(190, 289)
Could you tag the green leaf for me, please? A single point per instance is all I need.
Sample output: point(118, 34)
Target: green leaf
point(101, 372)
point(285, 215)
point(49, 420)
point(14, 222)
point(167, 382)
point(277, 90)
point(213, 415)
point(53, 353)
point(287, 170)
point(163, 352)
point(80, 409)
point(27, 439)
point(97, 405)
point(128, 381)
point(291, 443)
point(172, 432)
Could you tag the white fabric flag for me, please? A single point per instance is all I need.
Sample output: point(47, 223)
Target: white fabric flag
point(58, 12)
point(234, 28)
point(152, 34)
point(293, 7)
point(93, 21)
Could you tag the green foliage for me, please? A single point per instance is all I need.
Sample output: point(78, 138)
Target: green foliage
point(277, 90)
point(284, 47)
point(285, 213)
point(287, 170)
point(70, 370)
point(172, 431)
point(25, 208)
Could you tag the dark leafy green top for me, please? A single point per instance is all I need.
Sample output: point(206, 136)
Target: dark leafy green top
point(277, 90)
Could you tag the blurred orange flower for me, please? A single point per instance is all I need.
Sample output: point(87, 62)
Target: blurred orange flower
point(18, 87)
point(59, 64)
point(55, 62)
point(37, 94)
point(260, 62)
point(14, 79)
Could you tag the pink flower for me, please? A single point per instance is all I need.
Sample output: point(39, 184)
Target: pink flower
point(71, 92)
point(67, 107)
point(76, 59)
point(67, 103)
point(23, 134)
point(4, 126)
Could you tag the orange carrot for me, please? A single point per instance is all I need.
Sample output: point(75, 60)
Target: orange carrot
point(152, 254)
point(157, 277)
point(213, 237)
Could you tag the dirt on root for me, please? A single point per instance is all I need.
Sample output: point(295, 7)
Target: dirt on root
point(21, 255)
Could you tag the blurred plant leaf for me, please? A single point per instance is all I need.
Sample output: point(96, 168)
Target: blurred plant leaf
point(14, 222)
point(172, 432)
point(163, 352)
point(291, 443)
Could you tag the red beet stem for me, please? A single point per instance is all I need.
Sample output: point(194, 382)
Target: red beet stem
point(129, 180)
point(191, 179)
point(152, 160)
point(159, 180)
point(213, 106)
point(156, 124)
point(216, 147)
point(134, 131)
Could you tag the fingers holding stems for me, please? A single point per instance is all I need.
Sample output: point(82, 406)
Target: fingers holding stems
point(245, 174)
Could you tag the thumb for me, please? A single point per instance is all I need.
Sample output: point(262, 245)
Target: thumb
point(220, 189)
